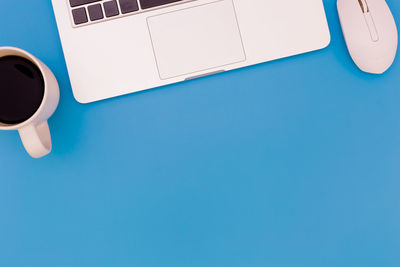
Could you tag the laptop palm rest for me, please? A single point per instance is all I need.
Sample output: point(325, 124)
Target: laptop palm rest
point(185, 43)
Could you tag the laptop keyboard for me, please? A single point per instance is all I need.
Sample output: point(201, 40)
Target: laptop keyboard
point(87, 11)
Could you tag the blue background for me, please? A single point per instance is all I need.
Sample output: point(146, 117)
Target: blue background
point(288, 163)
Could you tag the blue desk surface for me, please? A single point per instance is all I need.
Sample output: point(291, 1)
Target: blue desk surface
point(289, 163)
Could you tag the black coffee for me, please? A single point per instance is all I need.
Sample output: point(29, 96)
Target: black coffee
point(21, 89)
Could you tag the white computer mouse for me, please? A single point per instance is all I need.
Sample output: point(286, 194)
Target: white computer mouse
point(370, 32)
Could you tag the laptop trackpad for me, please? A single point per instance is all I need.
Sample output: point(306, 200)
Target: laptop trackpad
point(196, 39)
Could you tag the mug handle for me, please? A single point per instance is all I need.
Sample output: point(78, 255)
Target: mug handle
point(36, 139)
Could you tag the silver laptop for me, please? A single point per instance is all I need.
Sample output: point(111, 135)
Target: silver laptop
point(116, 47)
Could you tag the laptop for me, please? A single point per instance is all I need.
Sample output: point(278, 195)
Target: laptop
point(116, 47)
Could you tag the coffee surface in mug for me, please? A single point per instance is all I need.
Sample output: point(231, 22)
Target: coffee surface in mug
point(21, 89)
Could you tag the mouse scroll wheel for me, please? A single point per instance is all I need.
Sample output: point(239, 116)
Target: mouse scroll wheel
point(364, 6)
point(369, 20)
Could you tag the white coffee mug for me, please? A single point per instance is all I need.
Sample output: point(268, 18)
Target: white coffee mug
point(34, 132)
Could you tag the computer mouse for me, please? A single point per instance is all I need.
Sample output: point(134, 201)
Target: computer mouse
point(370, 33)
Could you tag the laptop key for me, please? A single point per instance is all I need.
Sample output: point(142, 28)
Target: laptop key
point(79, 15)
point(75, 3)
point(128, 6)
point(95, 12)
point(111, 8)
point(154, 3)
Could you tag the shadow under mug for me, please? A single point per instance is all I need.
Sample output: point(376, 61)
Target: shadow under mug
point(35, 132)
